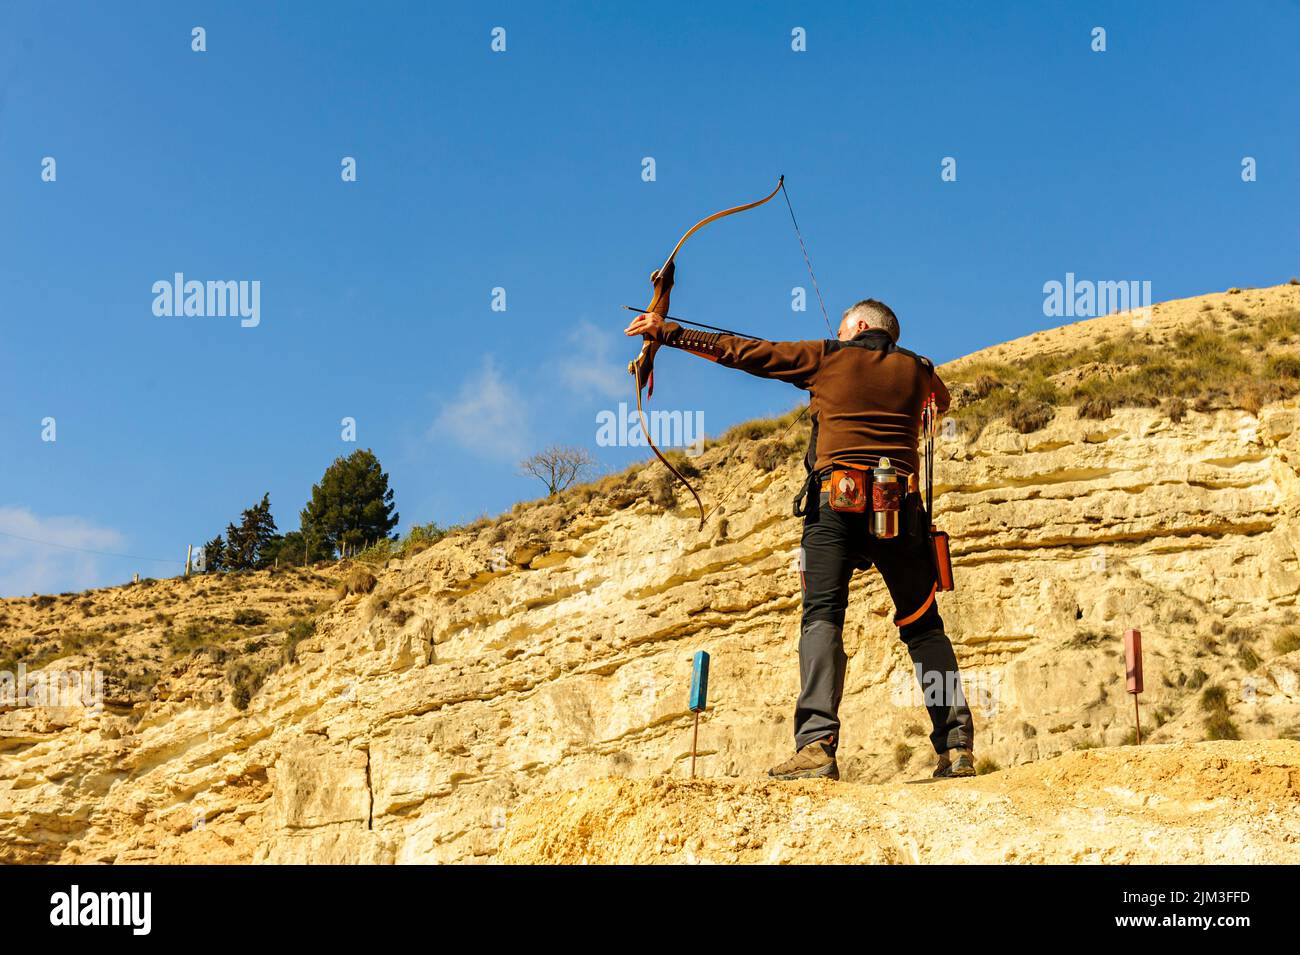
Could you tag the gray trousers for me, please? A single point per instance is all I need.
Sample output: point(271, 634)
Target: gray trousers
point(834, 545)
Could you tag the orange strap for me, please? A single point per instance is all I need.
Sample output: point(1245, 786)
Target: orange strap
point(916, 616)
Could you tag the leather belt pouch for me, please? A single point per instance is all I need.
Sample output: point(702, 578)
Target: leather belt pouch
point(848, 490)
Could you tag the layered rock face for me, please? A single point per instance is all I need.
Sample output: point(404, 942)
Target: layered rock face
point(552, 648)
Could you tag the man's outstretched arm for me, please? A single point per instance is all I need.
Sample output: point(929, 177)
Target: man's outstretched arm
point(794, 362)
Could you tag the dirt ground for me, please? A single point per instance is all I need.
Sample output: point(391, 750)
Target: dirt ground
point(1213, 802)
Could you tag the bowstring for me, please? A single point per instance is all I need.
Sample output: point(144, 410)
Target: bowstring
point(825, 316)
point(806, 259)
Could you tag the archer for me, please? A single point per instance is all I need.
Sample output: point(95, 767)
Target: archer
point(867, 398)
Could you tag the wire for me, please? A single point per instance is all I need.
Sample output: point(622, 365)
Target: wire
point(87, 550)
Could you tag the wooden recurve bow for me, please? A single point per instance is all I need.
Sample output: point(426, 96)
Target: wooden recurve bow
point(642, 367)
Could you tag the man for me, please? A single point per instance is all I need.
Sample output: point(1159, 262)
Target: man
point(867, 395)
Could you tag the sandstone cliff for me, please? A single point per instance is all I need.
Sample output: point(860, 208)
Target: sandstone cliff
point(538, 653)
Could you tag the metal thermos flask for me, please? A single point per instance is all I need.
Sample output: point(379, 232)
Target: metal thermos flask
point(885, 500)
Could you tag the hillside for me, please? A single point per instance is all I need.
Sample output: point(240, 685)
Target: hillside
point(525, 657)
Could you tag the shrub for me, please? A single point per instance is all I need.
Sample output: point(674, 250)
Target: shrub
point(663, 490)
point(768, 455)
point(1252, 396)
point(1220, 726)
point(1282, 366)
point(1086, 638)
point(378, 553)
point(1097, 409)
point(245, 680)
point(1214, 699)
point(358, 581)
point(1031, 416)
point(684, 463)
point(902, 755)
point(298, 631)
point(984, 386)
point(1287, 642)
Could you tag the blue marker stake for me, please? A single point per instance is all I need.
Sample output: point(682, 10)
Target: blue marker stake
point(699, 698)
point(700, 682)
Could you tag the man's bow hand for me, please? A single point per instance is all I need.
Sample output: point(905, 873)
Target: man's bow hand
point(647, 324)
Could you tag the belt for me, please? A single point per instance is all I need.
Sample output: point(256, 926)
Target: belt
point(911, 482)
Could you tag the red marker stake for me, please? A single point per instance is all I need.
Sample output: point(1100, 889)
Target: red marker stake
point(1133, 664)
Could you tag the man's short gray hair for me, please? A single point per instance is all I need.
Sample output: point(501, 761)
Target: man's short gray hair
point(876, 315)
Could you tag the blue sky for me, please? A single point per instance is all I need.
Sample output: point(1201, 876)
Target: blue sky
point(523, 170)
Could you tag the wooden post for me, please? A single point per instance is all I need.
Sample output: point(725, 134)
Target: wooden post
point(189, 554)
point(695, 739)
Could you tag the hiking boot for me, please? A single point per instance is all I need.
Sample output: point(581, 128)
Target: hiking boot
point(814, 761)
point(955, 763)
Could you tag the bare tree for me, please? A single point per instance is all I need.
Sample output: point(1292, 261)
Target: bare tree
point(558, 467)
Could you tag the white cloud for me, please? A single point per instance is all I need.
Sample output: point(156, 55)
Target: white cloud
point(488, 416)
point(592, 366)
point(27, 567)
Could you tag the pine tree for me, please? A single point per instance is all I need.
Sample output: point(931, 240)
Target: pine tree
point(245, 544)
point(214, 555)
point(237, 548)
point(351, 505)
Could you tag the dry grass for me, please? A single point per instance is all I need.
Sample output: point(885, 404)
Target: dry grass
point(1205, 367)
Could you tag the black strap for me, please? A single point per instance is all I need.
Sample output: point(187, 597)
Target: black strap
point(801, 499)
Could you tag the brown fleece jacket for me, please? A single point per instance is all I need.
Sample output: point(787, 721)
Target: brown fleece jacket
point(866, 394)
